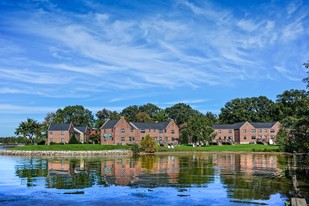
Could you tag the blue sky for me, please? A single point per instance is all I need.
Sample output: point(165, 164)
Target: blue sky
point(112, 54)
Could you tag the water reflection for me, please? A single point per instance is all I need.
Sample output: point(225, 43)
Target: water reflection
point(241, 176)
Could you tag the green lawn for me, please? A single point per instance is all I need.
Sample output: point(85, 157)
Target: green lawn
point(215, 148)
point(226, 148)
point(72, 147)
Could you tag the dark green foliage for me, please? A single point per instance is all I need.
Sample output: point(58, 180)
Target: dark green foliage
point(200, 129)
point(29, 129)
point(94, 138)
point(73, 140)
point(136, 149)
point(255, 109)
point(148, 144)
point(181, 113)
point(77, 115)
point(41, 142)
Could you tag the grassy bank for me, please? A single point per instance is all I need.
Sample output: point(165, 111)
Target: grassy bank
point(182, 148)
point(225, 148)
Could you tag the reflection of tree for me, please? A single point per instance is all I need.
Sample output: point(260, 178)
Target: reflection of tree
point(148, 162)
point(32, 169)
point(195, 170)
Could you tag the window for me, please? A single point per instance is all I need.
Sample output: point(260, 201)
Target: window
point(130, 139)
point(62, 133)
point(272, 137)
point(154, 130)
point(253, 137)
point(166, 139)
point(265, 130)
point(219, 131)
point(104, 130)
point(112, 130)
point(142, 131)
point(50, 132)
point(230, 131)
point(260, 130)
point(245, 137)
point(122, 130)
point(160, 131)
point(51, 140)
point(132, 130)
point(253, 130)
point(62, 140)
point(172, 132)
point(245, 130)
point(123, 139)
point(272, 131)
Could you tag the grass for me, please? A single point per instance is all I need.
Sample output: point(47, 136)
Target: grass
point(213, 148)
point(71, 147)
point(225, 148)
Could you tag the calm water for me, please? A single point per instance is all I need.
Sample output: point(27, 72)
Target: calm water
point(191, 179)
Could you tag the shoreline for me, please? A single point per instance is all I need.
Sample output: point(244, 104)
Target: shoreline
point(49, 153)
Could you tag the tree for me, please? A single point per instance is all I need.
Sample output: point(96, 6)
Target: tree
point(200, 129)
point(306, 80)
point(77, 115)
point(148, 144)
point(130, 113)
point(181, 113)
point(143, 117)
point(151, 109)
point(255, 109)
point(94, 138)
point(28, 129)
point(105, 114)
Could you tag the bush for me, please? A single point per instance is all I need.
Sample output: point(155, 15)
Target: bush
point(136, 149)
point(73, 140)
point(42, 142)
point(148, 144)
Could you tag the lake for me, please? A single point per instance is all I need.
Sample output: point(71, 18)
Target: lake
point(164, 179)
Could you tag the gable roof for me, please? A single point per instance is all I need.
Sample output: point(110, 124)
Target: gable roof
point(143, 125)
point(59, 127)
point(109, 124)
point(82, 129)
point(237, 125)
point(263, 124)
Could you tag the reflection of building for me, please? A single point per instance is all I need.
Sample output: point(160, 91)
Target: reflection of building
point(245, 132)
point(142, 171)
point(123, 132)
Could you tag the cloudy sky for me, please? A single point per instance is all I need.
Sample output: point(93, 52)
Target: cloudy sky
point(112, 54)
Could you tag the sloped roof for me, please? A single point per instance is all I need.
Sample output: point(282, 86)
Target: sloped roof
point(82, 129)
point(109, 124)
point(157, 125)
point(59, 127)
point(228, 126)
point(263, 124)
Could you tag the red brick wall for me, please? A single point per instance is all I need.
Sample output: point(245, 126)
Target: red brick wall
point(57, 136)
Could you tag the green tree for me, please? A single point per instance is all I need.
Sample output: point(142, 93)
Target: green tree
point(28, 129)
point(130, 113)
point(148, 144)
point(181, 113)
point(105, 114)
point(255, 109)
point(94, 138)
point(306, 80)
point(151, 109)
point(143, 117)
point(200, 129)
point(77, 115)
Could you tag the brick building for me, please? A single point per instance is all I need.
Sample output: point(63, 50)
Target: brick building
point(121, 132)
point(62, 133)
point(246, 132)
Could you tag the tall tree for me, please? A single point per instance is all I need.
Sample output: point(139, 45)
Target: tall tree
point(200, 128)
point(151, 109)
point(105, 114)
point(255, 109)
point(130, 113)
point(143, 117)
point(306, 80)
point(28, 129)
point(78, 115)
point(181, 113)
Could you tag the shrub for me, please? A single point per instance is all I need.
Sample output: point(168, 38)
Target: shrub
point(136, 149)
point(42, 142)
point(73, 140)
point(148, 144)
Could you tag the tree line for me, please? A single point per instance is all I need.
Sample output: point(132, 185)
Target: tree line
point(291, 108)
